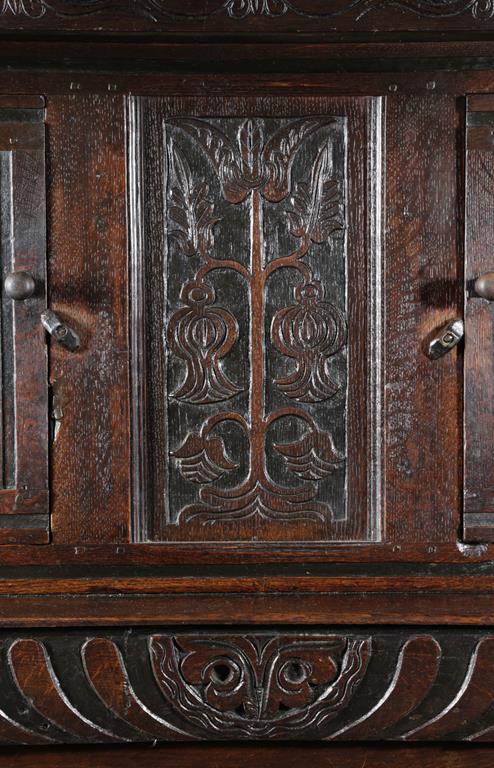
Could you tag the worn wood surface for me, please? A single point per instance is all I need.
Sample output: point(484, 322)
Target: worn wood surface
point(423, 292)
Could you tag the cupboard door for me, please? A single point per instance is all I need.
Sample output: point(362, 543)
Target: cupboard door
point(23, 360)
point(479, 321)
point(256, 318)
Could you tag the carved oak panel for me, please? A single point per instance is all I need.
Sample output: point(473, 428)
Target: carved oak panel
point(252, 384)
point(258, 684)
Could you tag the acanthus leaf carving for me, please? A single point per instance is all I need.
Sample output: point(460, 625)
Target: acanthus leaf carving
point(190, 209)
point(252, 164)
point(250, 140)
point(280, 151)
point(318, 206)
point(222, 153)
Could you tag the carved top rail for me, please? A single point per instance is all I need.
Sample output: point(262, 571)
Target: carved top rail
point(235, 18)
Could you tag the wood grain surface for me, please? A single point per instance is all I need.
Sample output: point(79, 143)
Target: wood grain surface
point(88, 289)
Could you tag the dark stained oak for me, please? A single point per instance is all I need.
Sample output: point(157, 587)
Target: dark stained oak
point(24, 483)
point(274, 369)
point(248, 756)
point(244, 17)
point(257, 684)
point(256, 220)
point(479, 323)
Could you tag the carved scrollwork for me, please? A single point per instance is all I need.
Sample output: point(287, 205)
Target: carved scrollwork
point(238, 10)
point(247, 687)
point(271, 9)
point(36, 9)
point(32, 8)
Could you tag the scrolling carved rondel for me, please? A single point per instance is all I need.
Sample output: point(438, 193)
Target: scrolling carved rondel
point(255, 171)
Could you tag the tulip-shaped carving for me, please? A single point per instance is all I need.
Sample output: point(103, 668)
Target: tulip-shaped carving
point(310, 331)
point(201, 335)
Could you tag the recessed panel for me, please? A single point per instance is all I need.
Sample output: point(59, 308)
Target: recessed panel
point(256, 275)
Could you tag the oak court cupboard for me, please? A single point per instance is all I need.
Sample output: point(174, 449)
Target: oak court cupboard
point(247, 377)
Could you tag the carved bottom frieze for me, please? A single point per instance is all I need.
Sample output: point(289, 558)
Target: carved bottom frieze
point(137, 685)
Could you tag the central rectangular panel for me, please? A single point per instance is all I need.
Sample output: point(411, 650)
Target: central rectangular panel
point(255, 318)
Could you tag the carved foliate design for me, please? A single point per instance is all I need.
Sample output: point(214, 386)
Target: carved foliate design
point(228, 184)
point(191, 211)
point(203, 460)
point(272, 9)
point(318, 210)
point(36, 9)
point(31, 8)
point(238, 10)
point(311, 458)
point(259, 687)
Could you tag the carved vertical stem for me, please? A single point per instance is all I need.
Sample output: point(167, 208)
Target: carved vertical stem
point(257, 302)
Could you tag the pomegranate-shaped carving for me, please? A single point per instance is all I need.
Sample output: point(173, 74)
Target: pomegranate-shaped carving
point(201, 335)
point(310, 331)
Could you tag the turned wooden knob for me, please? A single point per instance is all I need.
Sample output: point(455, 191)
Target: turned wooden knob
point(484, 286)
